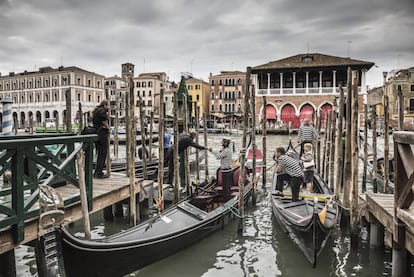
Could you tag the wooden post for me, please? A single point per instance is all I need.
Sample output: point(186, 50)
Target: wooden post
point(68, 118)
point(186, 151)
point(243, 152)
point(83, 197)
point(348, 150)
point(116, 129)
point(339, 144)
point(150, 134)
point(205, 143)
point(264, 146)
point(108, 153)
point(80, 118)
point(376, 234)
point(333, 148)
point(374, 152)
point(254, 147)
point(197, 153)
point(326, 145)
point(176, 157)
point(130, 146)
point(318, 143)
point(143, 138)
point(401, 108)
point(355, 159)
point(386, 143)
point(8, 264)
point(161, 166)
point(365, 161)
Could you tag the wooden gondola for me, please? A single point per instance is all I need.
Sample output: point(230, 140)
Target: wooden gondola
point(309, 221)
point(180, 226)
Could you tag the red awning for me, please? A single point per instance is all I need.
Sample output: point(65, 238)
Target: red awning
point(270, 112)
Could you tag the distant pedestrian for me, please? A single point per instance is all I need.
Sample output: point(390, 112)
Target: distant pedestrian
point(288, 170)
point(100, 119)
point(308, 166)
point(307, 134)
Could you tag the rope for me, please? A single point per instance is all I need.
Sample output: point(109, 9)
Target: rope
point(233, 210)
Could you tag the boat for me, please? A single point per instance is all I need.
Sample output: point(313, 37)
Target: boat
point(259, 160)
point(176, 228)
point(310, 221)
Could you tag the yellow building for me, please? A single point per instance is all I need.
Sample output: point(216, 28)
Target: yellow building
point(200, 93)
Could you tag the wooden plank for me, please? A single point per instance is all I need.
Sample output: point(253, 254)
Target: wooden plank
point(382, 207)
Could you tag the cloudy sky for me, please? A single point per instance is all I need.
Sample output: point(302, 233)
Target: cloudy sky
point(202, 36)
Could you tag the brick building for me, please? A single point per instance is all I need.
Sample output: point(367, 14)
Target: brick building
point(303, 86)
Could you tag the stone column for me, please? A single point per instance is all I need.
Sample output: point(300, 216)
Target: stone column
point(268, 83)
point(294, 82)
point(281, 82)
point(320, 81)
point(307, 82)
point(334, 81)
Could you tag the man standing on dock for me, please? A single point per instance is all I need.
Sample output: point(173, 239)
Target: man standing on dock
point(307, 134)
point(184, 141)
point(100, 121)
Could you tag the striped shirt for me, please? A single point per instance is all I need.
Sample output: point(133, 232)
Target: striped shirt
point(225, 157)
point(307, 133)
point(289, 165)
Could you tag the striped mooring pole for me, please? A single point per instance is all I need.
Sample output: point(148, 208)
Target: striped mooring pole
point(7, 117)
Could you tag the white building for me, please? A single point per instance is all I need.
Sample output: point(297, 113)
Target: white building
point(42, 94)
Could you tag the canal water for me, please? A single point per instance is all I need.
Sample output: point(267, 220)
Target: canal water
point(262, 250)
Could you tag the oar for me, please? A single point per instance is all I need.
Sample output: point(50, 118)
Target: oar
point(322, 197)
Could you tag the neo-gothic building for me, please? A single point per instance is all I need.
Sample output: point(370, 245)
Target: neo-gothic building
point(304, 85)
point(42, 94)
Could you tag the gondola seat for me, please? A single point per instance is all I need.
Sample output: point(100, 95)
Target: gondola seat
point(204, 201)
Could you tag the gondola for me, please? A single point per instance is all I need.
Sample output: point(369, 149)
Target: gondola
point(309, 221)
point(180, 226)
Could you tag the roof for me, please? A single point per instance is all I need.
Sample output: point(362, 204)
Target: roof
point(312, 60)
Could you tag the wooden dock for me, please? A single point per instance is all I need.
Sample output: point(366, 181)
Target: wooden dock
point(106, 192)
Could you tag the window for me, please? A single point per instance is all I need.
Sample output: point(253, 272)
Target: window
point(89, 83)
point(149, 93)
point(412, 88)
point(89, 98)
point(143, 93)
point(212, 82)
point(197, 86)
point(150, 84)
point(239, 108)
point(190, 87)
point(412, 75)
point(411, 107)
point(212, 108)
point(150, 103)
point(138, 93)
point(79, 98)
point(220, 108)
point(198, 97)
point(78, 82)
point(138, 84)
point(212, 95)
point(220, 82)
point(144, 84)
point(220, 95)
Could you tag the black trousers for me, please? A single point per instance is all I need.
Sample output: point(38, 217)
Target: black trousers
point(294, 182)
point(102, 150)
point(228, 182)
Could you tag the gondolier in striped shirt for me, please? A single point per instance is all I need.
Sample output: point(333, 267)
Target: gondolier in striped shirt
point(288, 170)
point(307, 134)
point(225, 157)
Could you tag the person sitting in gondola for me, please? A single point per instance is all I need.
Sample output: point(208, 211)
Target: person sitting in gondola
point(308, 166)
point(307, 134)
point(288, 170)
point(225, 157)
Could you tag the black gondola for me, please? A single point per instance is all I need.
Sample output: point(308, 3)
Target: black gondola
point(180, 226)
point(309, 221)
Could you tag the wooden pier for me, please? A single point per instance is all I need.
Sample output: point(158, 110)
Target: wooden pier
point(391, 216)
point(32, 162)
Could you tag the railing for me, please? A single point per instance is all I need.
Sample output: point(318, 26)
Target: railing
point(35, 161)
point(404, 184)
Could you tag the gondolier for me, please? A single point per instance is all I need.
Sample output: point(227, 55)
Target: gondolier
point(307, 134)
point(225, 157)
point(288, 169)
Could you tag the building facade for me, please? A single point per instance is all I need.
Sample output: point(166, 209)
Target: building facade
point(200, 94)
point(303, 86)
point(401, 80)
point(227, 91)
point(41, 95)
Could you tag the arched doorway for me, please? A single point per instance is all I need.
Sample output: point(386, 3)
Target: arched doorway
point(38, 118)
point(325, 109)
point(22, 119)
point(288, 114)
point(306, 112)
point(270, 116)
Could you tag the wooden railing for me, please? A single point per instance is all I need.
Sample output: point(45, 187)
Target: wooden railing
point(404, 186)
point(39, 160)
